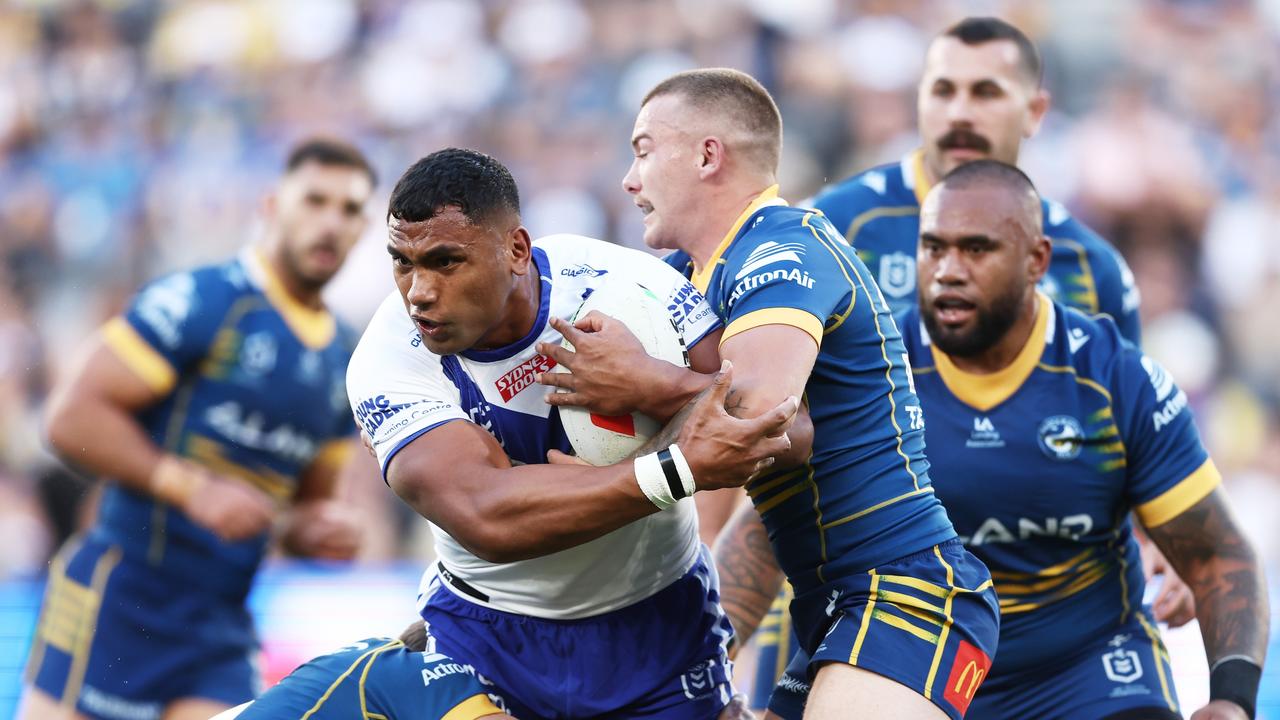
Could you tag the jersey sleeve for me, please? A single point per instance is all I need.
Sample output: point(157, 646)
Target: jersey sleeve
point(169, 326)
point(799, 275)
point(1168, 469)
point(1118, 294)
point(397, 388)
point(689, 310)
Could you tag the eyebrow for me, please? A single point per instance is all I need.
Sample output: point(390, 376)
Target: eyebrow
point(962, 240)
point(435, 251)
point(635, 141)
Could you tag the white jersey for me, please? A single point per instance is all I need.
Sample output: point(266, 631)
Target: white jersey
point(399, 390)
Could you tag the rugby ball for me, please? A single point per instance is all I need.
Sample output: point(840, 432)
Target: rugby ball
point(602, 439)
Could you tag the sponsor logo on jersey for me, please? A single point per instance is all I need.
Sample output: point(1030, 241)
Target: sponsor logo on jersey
point(768, 253)
point(968, 670)
point(373, 412)
point(698, 681)
point(310, 368)
point(581, 269)
point(247, 429)
point(992, 530)
point(1060, 437)
point(984, 434)
point(1121, 665)
point(444, 670)
point(165, 305)
point(522, 376)
point(1160, 380)
point(258, 353)
point(897, 274)
point(795, 275)
point(684, 303)
point(1170, 410)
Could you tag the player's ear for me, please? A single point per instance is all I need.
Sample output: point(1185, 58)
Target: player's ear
point(1039, 257)
point(519, 248)
point(1037, 109)
point(710, 156)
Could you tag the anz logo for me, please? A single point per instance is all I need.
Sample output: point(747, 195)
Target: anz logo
point(992, 530)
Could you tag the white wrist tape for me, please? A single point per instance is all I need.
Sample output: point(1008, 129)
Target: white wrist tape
point(664, 477)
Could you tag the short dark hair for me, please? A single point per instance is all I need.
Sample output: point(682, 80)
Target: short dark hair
point(475, 183)
point(980, 30)
point(736, 95)
point(329, 151)
point(993, 172)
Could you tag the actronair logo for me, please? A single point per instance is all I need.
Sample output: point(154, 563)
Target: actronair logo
point(769, 253)
point(797, 276)
point(522, 376)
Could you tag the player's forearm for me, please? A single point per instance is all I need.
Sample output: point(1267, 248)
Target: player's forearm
point(1211, 555)
point(509, 514)
point(102, 439)
point(749, 573)
point(678, 388)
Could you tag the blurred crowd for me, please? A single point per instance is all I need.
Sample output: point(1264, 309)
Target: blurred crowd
point(138, 136)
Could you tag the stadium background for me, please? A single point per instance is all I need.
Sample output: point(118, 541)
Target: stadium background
point(137, 136)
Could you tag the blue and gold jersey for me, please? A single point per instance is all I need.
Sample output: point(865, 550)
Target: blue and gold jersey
point(879, 213)
point(253, 387)
point(864, 498)
point(377, 678)
point(1040, 464)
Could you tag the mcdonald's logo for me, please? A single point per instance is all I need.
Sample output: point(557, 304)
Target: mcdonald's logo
point(968, 670)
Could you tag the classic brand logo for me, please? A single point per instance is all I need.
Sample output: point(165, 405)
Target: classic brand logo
point(968, 671)
point(522, 376)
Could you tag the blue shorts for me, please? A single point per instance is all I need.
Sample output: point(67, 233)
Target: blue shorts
point(663, 657)
point(776, 644)
point(929, 621)
point(126, 642)
point(1127, 669)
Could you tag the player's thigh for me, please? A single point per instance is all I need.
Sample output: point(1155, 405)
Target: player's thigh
point(193, 709)
point(232, 713)
point(839, 689)
point(39, 705)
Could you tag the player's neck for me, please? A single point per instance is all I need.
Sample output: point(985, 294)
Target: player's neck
point(723, 210)
point(304, 293)
point(522, 312)
point(1004, 351)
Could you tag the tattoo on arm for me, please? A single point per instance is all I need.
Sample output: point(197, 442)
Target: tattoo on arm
point(1217, 562)
point(749, 574)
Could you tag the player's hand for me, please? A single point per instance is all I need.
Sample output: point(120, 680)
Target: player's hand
point(737, 709)
point(609, 371)
point(230, 508)
point(1174, 604)
point(1220, 710)
point(322, 529)
point(724, 451)
point(555, 457)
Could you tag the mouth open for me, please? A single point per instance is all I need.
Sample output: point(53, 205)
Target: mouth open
point(953, 310)
point(428, 328)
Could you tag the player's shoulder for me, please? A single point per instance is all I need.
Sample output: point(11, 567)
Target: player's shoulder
point(874, 187)
point(1067, 230)
point(1090, 345)
point(578, 257)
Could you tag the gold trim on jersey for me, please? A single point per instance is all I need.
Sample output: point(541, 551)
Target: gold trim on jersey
point(876, 213)
point(1161, 657)
point(476, 706)
point(333, 454)
point(81, 609)
point(139, 355)
point(846, 267)
point(342, 678)
point(866, 618)
point(315, 328)
point(793, 317)
point(364, 677)
point(952, 591)
point(983, 392)
point(210, 453)
point(1086, 276)
point(919, 175)
point(701, 276)
point(1174, 501)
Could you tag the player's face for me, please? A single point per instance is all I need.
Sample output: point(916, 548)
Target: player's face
point(457, 278)
point(663, 178)
point(978, 259)
point(975, 102)
point(318, 215)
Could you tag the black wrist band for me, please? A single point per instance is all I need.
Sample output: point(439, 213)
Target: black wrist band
point(1236, 680)
point(673, 475)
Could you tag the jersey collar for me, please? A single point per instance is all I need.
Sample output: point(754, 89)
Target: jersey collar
point(701, 277)
point(983, 392)
point(314, 327)
point(914, 175)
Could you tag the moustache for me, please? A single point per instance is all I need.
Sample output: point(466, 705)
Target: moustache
point(966, 139)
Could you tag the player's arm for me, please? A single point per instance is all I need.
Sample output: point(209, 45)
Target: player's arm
point(319, 524)
point(91, 423)
point(749, 574)
point(458, 476)
point(1206, 547)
